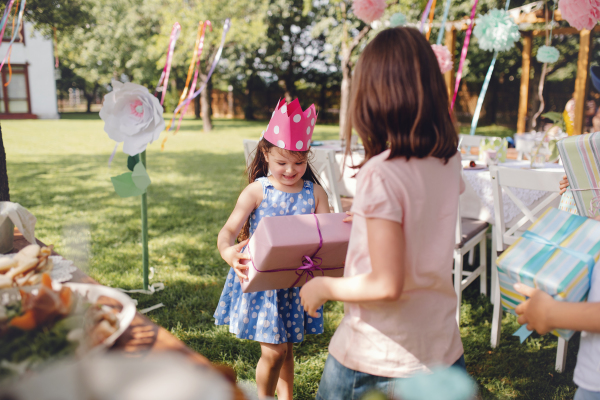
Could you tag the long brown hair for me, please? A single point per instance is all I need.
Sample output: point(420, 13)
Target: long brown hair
point(398, 99)
point(259, 167)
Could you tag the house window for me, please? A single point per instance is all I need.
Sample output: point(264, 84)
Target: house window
point(8, 32)
point(14, 98)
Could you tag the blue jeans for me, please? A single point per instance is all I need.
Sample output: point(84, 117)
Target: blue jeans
point(583, 394)
point(341, 383)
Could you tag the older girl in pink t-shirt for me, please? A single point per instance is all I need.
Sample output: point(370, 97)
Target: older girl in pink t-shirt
point(400, 305)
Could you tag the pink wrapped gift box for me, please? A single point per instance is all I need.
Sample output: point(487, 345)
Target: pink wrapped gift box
point(288, 251)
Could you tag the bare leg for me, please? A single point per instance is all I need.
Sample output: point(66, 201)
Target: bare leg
point(285, 385)
point(272, 358)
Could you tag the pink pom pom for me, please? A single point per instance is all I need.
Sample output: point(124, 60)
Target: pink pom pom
point(368, 10)
point(443, 56)
point(580, 14)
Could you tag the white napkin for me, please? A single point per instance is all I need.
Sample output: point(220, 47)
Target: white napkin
point(22, 219)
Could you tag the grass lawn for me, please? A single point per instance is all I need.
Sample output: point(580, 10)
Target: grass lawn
point(58, 170)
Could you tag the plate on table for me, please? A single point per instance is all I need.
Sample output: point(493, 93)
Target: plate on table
point(468, 167)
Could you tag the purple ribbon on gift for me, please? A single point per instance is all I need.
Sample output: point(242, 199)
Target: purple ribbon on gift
point(309, 266)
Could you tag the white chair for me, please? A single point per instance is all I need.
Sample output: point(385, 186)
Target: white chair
point(503, 179)
point(469, 234)
point(323, 163)
point(468, 141)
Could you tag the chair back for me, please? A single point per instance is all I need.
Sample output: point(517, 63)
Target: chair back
point(504, 178)
point(249, 150)
point(324, 164)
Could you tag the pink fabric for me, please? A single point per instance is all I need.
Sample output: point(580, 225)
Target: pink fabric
point(291, 128)
point(580, 14)
point(368, 10)
point(419, 331)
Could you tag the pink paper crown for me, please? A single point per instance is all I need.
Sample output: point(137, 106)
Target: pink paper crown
point(291, 128)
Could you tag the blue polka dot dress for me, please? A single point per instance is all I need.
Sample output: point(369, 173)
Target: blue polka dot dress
point(272, 316)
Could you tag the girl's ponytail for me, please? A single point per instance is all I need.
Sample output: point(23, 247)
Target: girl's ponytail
point(259, 168)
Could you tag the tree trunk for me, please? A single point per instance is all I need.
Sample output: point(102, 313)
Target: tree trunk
point(205, 103)
point(249, 107)
point(4, 193)
point(493, 105)
point(197, 107)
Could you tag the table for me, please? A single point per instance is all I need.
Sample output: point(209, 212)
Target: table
point(143, 336)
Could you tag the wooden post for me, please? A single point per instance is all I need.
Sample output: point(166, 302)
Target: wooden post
point(524, 92)
point(582, 79)
point(450, 75)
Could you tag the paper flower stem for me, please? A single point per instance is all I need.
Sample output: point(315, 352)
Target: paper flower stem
point(144, 228)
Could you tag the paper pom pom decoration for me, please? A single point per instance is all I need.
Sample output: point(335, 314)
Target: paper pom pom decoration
point(368, 10)
point(580, 14)
point(547, 54)
point(496, 31)
point(443, 56)
point(397, 19)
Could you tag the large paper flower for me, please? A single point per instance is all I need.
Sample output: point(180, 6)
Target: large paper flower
point(368, 10)
point(443, 56)
point(398, 19)
point(547, 54)
point(496, 31)
point(132, 115)
point(580, 14)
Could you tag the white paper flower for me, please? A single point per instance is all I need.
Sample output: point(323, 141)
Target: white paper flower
point(131, 114)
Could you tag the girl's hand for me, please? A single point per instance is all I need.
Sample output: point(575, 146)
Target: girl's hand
point(536, 311)
point(350, 216)
point(232, 255)
point(563, 184)
point(313, 295)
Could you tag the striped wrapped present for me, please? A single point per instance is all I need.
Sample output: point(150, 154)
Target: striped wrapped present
point(581, 158)
point(556, 254)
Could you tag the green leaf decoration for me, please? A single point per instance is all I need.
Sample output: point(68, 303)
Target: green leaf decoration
point(132, 161)
point(124, 185)
point(553, 116)
point(140, 176)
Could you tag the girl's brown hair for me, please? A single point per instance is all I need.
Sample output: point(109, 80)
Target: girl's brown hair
point(398, 99)
point(260, 167)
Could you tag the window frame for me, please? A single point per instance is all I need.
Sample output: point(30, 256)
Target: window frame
point(5, 98)
point(20, 38)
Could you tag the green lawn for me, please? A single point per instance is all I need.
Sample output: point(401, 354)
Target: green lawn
point(58, 170)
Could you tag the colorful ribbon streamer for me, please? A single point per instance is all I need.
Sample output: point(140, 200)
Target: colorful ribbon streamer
point(164, 77)
point(443, 26)
point(5, 18)
point(484, 88)
point(15, 33)
point(226, 27)
point(463, 53)
point(431, 13)
point(424, 16)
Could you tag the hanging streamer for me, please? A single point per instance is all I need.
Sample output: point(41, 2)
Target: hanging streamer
point(424, 16)
point(226, 27)
point(15, 33)
point(484, 88)
point(5, 18)
point(463, 53)
point(10, 50)
point(164, 77)
point(431, 13)
point(443, 26)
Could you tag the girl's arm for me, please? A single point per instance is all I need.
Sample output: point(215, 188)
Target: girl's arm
point(544, 314)
point(385, 281)
point(321, 200)
point(249, 200)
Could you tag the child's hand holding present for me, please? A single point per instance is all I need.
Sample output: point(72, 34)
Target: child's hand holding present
point(536, 311)
point(563, 184)
point(232, 255)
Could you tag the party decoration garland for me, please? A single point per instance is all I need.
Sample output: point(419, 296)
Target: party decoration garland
point(164, 76)
point(443, 56)
point(496, 31)
point(463, 54)
point(368, 10)
point(398, 19)
point(580, 14)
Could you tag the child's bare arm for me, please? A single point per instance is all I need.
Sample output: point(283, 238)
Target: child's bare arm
point(321, 200)
point(544, 314)
point(385, 282)
point(249, 200)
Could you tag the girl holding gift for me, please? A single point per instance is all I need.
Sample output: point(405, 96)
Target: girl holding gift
point(400, 305)
point(281, 183)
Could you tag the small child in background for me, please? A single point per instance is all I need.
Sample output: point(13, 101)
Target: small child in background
point(281, 182)
point(400, 304)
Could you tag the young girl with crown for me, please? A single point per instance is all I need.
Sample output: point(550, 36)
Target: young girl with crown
point(281, 182)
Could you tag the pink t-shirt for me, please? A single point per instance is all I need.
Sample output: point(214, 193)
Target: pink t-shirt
point(418, 331)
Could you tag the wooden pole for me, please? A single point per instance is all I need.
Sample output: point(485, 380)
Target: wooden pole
point(450, 75)
point(524, 92)
point(582, 79)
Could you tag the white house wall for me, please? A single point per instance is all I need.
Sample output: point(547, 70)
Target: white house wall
point(39, 54)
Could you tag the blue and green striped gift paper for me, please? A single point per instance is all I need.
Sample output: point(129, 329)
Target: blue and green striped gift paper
point(563, 276)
